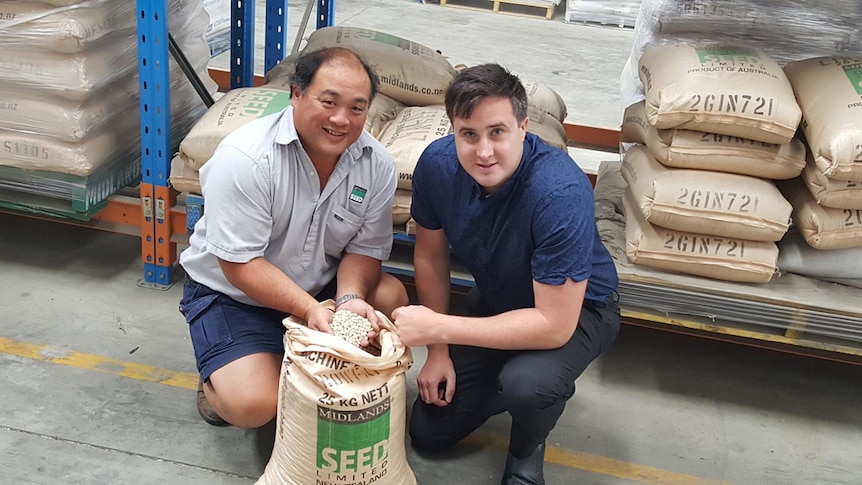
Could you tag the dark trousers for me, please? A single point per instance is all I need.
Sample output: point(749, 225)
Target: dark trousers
point(532, 385)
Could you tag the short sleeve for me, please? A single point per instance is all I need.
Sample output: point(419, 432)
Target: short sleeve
point(424, 209)
point(564, 233)
point(238, 206)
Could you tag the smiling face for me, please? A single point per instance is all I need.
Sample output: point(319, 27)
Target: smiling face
point(330, 113)
point(490, 142)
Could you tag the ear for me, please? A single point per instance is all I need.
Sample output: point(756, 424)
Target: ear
point(523, 127)
point(295, 94)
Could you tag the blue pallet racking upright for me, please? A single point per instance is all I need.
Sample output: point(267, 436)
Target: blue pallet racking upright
point(158, 251)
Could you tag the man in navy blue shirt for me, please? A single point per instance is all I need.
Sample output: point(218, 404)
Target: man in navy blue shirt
point(519, 214)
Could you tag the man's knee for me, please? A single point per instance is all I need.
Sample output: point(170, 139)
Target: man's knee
point(525, 388)
point(389, 294)
point(246, 411)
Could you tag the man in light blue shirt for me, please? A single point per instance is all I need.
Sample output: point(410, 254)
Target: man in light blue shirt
point(298, 209)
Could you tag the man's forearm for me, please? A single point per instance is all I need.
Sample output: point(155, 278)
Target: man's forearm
point(269, 286)
point(357, 275)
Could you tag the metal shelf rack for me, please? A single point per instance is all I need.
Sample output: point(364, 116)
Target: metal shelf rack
point(160, 219)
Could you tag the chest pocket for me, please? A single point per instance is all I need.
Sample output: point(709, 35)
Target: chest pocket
point(341, 226)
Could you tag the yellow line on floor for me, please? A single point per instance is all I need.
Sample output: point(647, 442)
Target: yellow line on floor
point(70, 358)
point(187, 380)
point(597, 463)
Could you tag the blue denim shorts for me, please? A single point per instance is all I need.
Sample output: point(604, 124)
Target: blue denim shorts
point(223, 330)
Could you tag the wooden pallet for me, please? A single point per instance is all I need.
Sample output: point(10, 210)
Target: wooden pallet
point(512, 7)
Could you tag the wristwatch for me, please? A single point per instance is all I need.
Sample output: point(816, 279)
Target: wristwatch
point(344, 299)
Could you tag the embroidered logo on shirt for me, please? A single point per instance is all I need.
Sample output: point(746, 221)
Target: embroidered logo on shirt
point(357, 194)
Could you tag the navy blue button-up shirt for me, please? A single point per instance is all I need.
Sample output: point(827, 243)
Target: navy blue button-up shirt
point(539, 226)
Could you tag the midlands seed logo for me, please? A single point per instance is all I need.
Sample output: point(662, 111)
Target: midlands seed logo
point(357, 194)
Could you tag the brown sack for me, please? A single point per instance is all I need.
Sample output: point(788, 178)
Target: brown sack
point(236, 108)
point(829, 90)
point(279, 76)
point(409, 72)
point(546, 100)
point(407, 136)
point(822, 227)
point(31, 151)
point(546, 127)
point(704, 202)
point(184, 178)
point(728, 90)
point(341, 411)
point(710, 151)
point(717, 257)
point(382, 111)
point(837, 194)
point(401, 206)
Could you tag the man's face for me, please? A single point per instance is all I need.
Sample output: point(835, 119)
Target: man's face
point(490, 142)
point(331, 113)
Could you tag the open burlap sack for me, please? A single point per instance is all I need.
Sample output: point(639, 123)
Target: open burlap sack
point(407, 136)
point(822, 227)
point(829, 90)
point(705, 202)
point(717, 257)
point(236, 108)
point(710, 151)
point(341, 411)
point(837, 194)
point(409, 72)
point(728, 90)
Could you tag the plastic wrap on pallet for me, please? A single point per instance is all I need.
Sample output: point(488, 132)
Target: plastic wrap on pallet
point(64, 151)
point(787, 30)
point(120, 139)
point(620, 13)
point(32, 25)
point(218, 30)
point(76, 75)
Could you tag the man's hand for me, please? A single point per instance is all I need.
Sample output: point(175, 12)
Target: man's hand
point(416, 325)
point(319, 318)
point(363, 309)
point(436, 380)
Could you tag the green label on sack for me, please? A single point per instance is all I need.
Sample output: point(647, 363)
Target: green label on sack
point(728, 55)
point(353, 442)
point(384, 39)
point(265, 102)
point(854, 74)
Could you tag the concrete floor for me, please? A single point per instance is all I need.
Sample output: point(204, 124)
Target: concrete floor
point(97, 374)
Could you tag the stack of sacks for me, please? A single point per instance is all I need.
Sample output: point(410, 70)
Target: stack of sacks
point(406, 115)
point(787, 30)
point(69, 84)
point(717, 124)
point(827, 198)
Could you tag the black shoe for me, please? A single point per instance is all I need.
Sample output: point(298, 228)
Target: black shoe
point(527, 470)
point(205, 410)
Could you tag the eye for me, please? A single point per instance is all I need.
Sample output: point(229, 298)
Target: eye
point(497, 131)
point(358, 109)
point(327, 102)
